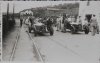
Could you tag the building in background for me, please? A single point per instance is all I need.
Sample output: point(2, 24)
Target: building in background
point(26, 12)
point(57, 12)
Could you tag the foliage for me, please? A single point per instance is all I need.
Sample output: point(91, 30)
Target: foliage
point(39, 12)
point(67, 6)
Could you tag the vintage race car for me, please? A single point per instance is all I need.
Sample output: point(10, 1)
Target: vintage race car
point(75, 27)
point(79, 27)
point(41, 28)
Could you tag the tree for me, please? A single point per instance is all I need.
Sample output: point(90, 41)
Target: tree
point(39, 12)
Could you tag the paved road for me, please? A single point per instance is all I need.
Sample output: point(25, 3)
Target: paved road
point(60, 48)
point(24, 48)
point(65, 47)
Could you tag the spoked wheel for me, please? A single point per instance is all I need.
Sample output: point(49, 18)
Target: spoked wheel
point(51, 31)
point(86, 29)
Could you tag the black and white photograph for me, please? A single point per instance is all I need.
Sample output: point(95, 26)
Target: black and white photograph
point(50, 0)
point(0, 33)
point(51, 31)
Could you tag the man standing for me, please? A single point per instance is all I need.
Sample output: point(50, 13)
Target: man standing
point(79, 22)
point(30, 23)
point(64, 23)
point(94, 25)
point(59, 19)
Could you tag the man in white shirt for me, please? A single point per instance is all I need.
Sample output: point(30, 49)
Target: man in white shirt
point(94, 25)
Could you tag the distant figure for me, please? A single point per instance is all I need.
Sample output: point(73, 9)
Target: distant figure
point(58, 23)
point(27, 23)
point(79, 20)
point(31, 20)
point(64, 23)
point(21, 22)
point(94, 25)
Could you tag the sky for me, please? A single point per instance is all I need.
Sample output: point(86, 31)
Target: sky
point(19, 6)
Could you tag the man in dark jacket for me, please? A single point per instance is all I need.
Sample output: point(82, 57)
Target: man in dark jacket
point(49, 23)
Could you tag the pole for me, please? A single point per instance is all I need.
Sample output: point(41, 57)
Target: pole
point(7, 18)
point(7, 11)
point(13, 11)
point(13, 17)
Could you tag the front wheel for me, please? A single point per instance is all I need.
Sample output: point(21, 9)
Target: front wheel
point(73, 30)
point(86, 30)
point(51, 31)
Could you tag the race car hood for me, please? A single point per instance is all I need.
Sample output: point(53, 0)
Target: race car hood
point(38, 24)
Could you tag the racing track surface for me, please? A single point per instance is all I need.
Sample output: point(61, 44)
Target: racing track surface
point(67, 47)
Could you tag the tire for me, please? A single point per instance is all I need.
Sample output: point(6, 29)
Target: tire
point(73, 30)
point(86, 29)
point(35, 33)
point(51, 31)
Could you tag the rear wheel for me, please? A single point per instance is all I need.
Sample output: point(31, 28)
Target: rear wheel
point(73, 30)
point(51, 31)
point(35, 32)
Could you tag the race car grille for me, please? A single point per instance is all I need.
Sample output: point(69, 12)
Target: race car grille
point(40, 28)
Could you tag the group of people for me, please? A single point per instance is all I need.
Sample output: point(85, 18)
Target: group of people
point(63, 21)
point(94, 25)
point(27, 21)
